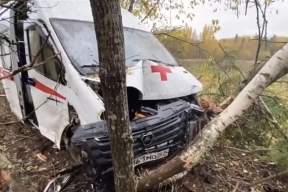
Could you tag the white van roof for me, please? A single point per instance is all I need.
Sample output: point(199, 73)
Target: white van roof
point(73, 9)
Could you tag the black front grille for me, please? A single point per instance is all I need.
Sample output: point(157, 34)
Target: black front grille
point(169, 129)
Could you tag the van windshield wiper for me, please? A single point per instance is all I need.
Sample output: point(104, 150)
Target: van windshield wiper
point(154, 60)
point(89, 66)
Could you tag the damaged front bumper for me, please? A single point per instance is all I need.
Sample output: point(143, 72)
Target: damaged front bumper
point(155, 137)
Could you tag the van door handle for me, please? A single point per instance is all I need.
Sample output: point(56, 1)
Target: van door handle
point(31, 81)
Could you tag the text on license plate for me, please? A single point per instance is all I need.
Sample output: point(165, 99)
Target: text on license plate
point(151, 157)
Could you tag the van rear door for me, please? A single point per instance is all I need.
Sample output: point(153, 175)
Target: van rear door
point(9, 85)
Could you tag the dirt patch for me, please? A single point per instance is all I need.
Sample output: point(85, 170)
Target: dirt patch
point(20, 144)
point(226, 168)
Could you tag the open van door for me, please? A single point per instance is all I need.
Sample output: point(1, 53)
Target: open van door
point(46, 82)
point(9, 85)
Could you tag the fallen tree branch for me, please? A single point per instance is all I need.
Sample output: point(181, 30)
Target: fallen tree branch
point(251, 151)
point(236, 187)
point(268, 74)
point(269, 178)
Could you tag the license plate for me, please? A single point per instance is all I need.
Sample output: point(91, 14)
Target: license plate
point(151, 157)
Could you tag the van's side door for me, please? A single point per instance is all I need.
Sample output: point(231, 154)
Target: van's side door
point(46, 83)
point(9, 85)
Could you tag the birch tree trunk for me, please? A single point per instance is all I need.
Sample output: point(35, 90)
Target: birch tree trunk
point(206, 139)
point(109, 34)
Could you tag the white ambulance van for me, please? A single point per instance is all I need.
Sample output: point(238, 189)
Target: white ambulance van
point(62, 98)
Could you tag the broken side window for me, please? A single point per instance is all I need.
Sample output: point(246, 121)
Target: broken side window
point(52, 67)
point(34, 46)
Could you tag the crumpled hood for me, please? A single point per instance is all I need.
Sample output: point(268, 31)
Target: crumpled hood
point(158, 81)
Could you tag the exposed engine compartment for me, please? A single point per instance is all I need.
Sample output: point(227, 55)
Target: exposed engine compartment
point(144, 108)
point(160, 129)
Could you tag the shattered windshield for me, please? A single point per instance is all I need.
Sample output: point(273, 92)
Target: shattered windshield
point(79, 41)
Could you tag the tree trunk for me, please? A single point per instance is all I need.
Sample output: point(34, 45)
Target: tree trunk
point(206, 139)
point(109, 34)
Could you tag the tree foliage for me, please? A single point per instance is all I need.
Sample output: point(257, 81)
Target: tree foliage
point(186, 43)
point(157, 11)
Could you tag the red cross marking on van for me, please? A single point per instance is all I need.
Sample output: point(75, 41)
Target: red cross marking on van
point(40, 86)
point(163, 70)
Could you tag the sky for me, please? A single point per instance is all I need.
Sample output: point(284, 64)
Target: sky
point(243, 25)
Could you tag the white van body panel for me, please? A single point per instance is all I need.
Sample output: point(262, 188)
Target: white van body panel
point(5, 68)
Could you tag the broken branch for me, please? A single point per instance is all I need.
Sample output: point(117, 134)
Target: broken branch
point(150, 10)
point(269, 178)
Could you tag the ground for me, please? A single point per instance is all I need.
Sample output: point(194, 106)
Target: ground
point(20, 144)
point(226, 168)
point(221, 170)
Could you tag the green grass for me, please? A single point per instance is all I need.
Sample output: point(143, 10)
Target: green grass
point(218, 79)
point(211, 74)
